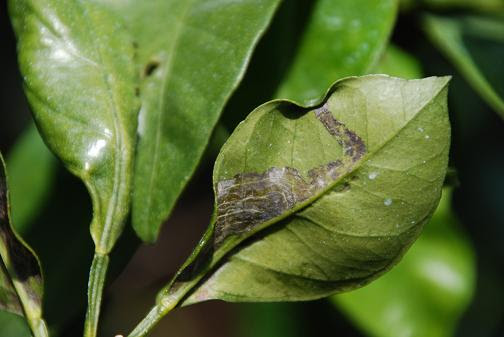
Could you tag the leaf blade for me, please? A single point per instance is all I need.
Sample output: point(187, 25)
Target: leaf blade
point(21, 281)
point(342, 39)
point(273, 186)
point(80, 80)
point(189, 73)
point(428, 292)
point(448, 35)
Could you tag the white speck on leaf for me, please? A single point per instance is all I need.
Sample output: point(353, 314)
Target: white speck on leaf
point(373, 175)
point(420, 130)
point(387, 202)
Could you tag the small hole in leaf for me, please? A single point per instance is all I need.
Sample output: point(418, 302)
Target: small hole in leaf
point(151, 67)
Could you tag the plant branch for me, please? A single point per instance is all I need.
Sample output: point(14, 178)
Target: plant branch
point(164, 305)
point(96, 284)
point(38, 327)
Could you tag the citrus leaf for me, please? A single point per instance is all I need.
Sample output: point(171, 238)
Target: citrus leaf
point(445, 5)
point(310, 45)
point(475, 45)
point(13, 325)
point(21, 284)
point(316, 200)
point(342, 38)
point(80, 80)
point(192, 55)
point(396, 62)
point(428, 291)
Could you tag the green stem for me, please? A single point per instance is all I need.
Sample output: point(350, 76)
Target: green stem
point(95, 291)
point(163, 307)
point(38, 327)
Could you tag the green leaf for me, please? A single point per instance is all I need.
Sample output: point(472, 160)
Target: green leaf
point(479, 5)
point(396, 62)
point(475, 45)
point(80, 79)
point(13, 325)
point(426, 294)
point(192, 55)
point(342, 38)
point(33, 170)
point(309, 45)
point(317, 200)
point(21, 284)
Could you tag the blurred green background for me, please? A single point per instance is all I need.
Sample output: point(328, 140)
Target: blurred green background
point(451, 282)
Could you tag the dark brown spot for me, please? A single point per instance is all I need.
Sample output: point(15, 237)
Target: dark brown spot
point(352, 144)
point(151, 67)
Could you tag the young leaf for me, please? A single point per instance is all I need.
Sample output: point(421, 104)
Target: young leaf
point(192, 55)
point(428, 291)
point(342, 38)
point(475, 45)
point(80, 79)
point(20, 274)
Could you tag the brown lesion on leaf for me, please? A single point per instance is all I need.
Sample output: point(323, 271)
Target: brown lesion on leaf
point(19, 262)
point(249, 199)
point(352, 144)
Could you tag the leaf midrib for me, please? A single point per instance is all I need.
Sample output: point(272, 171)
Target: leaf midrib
point(160, 111)
point(120, 155)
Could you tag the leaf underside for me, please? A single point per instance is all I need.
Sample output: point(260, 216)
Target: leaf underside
point(347, 184)
point(429, 290)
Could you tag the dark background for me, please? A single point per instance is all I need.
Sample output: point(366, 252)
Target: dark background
point(61, 238)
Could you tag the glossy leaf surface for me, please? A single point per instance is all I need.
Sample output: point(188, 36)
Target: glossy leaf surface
point(21, 284)
point(80, 79)
point(192, 55)
point(475, 45)
point(426, 294)
point(340, 190)
point(342, 38)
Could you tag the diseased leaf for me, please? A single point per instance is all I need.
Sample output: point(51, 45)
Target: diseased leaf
point(475, 45)
point(80, 79)
point(21, 285)
point(428, 291)
point(192, 55)
point(317, 200)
